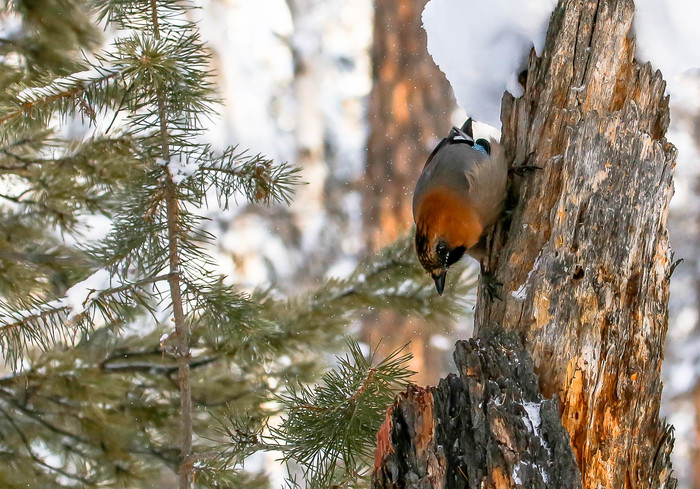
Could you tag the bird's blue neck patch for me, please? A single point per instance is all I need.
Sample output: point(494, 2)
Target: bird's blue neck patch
point(480, 149)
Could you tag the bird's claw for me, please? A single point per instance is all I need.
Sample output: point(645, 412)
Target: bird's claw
point(525, 167)
point(523, 170)
point(491, 285)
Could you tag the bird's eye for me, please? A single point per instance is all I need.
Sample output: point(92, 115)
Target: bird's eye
point(441, 248)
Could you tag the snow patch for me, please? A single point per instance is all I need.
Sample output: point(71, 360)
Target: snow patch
point(78, 298)
point(10, 26)
point(521, 292)
point(685, 197)
point(441, 342)
point(483, 46)
point(342, 269)
point(518, 467)
point(682, 377)
point(16, 316)
point(181, 168)
point(83, 78)
point(533, 416)
point(668, 36)
point(515, 475)
point(97, 227)
point(534, 420)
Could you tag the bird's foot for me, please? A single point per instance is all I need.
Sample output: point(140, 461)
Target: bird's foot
point(492, 286)
point(523, 170)
point(525, 167)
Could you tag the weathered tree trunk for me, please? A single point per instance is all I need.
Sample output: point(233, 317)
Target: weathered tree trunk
point(487, 427)
point(584, 258)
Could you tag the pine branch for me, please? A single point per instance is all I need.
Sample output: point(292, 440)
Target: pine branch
point(256, 177)
point(143, 400)
point(216, 478)
point(136, 242)
point(182, 327)
point(173, 64)
point(76, 93)
point(139, 15)
point(38, 460)
point(108, 160)
point(230, 174)
point(128, 364)
point(330, 430)
point(39, 323)
point(79, 180)
point(103, 409)
point(38, 258)
point(233, 321)
point(393, 280)
point(53, 34)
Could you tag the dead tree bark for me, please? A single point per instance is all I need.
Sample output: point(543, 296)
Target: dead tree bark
point(584, 256)
point(487, 427)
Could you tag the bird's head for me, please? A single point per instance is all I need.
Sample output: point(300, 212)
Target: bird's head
point(446, 228)
point(436, 255)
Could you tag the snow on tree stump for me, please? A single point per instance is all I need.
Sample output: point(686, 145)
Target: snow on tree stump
point(487, 427)
point(585, 264)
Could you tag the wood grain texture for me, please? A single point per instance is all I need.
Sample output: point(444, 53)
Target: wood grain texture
point(487, 427)
point(585, 263)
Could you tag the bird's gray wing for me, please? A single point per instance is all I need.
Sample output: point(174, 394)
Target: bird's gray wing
point(486, 178)
point(447, 168)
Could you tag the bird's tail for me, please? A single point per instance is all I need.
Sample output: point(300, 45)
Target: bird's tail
point(467, 128)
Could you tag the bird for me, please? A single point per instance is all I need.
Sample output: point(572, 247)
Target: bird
point(459, 195)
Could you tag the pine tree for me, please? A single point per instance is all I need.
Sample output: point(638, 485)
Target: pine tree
point(131, 354)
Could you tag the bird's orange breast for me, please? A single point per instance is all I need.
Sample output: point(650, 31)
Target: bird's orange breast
point(444, 214)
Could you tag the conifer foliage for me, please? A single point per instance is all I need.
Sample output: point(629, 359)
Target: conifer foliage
point(132, 358)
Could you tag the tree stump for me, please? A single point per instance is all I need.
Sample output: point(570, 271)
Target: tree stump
point(584, 256)
point(489, 423)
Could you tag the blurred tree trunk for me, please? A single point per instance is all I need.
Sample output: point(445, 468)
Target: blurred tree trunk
point(584, 261)
point(684, 228)
point(409, 111)
point(306, 45)
point(308, 76)
point(694, 456)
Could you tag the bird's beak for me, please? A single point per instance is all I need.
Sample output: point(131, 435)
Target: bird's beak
point(440, 282)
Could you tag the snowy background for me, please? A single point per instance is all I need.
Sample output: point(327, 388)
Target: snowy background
point(319, 116)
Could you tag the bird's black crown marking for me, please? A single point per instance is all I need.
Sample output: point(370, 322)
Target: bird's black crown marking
point(441, 256)
point(426, 255)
